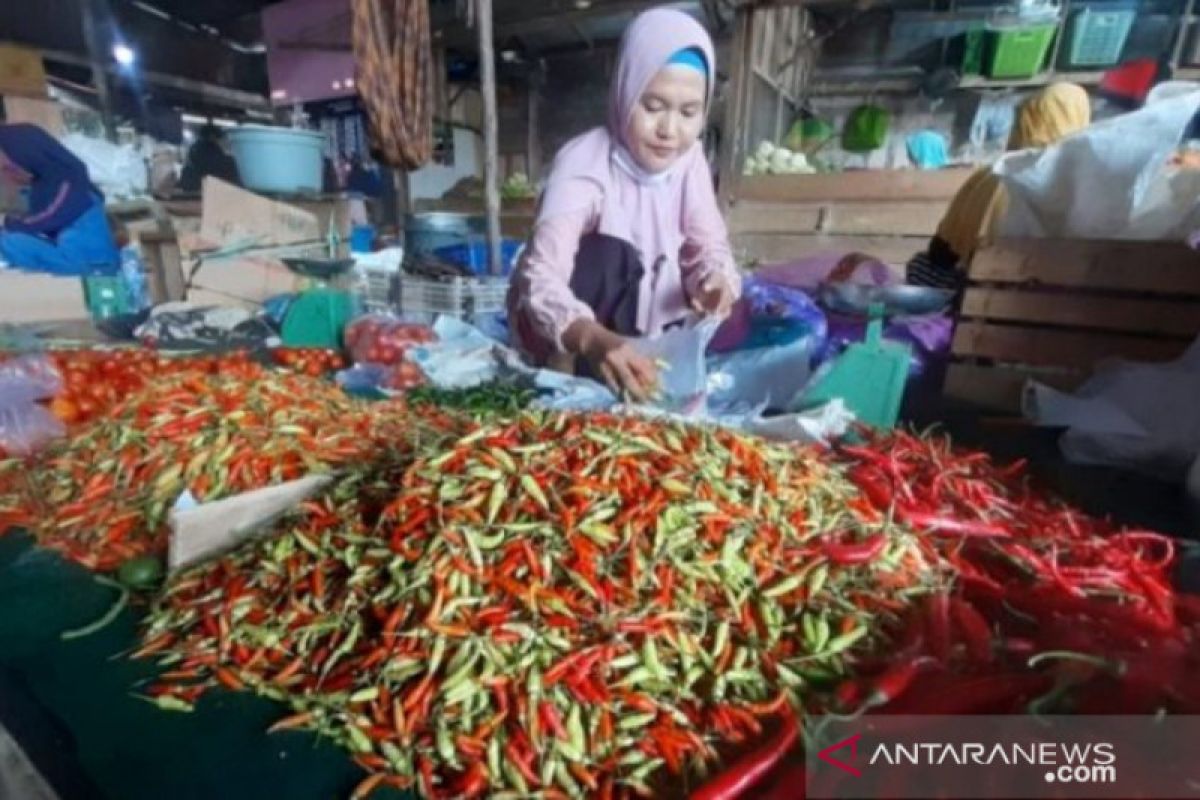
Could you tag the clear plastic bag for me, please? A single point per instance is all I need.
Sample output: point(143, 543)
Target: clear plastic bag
point(683, 377)
point(24, 425)
point(381, 339)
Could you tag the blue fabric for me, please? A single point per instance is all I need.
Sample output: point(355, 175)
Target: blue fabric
point(60, 190)
point(928, 149)
point(85, 247)
point(690, 57)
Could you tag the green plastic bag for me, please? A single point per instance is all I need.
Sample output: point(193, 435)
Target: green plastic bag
point(866, 129)
point(808, 135)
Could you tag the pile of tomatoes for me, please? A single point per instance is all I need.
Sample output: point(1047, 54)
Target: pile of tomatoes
point(377, 339)
point(96, 380)
point(311, 361)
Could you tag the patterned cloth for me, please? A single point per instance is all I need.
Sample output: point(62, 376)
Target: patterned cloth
point(395, 78)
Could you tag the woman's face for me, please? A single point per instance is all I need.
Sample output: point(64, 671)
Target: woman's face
point(667, 118)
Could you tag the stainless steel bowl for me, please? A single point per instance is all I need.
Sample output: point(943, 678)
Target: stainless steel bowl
point(899, 300)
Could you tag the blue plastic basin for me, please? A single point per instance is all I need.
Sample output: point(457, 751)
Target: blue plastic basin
point(280, 160)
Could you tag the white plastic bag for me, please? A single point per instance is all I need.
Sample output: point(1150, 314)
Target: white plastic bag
point(682, 374)
point(1111, 180)
point(117, 170)
point(1138, 416)
point(767, 377)
point(24, 425)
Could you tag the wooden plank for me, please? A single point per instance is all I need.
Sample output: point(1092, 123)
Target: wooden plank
point(1172, 318)
point(909, 218)
point(875, 184)
point(918, 218)
point(1136, 266)
point(776, 248)
point(776, 218)
point(1000, 388)
point(1050, 347)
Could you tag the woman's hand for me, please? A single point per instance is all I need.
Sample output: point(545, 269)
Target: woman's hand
point(714, 297)
point(623, 368)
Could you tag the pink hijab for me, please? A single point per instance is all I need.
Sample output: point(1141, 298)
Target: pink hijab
point(641, 208)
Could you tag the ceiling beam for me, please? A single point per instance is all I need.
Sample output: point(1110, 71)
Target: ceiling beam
point(218, 95)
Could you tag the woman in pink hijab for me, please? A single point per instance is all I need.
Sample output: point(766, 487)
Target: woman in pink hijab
point(629, 240)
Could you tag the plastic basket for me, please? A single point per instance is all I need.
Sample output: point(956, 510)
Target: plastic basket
point(473, 255)
point(1097, 37)
point(377, 288)
point(1191, 51)
point(465, 298)
point(1019, 52)
point(973, 48)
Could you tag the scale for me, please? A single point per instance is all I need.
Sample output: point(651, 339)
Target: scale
point(319, 313)
point(869, 376)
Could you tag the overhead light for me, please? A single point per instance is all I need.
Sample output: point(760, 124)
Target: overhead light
point(508, 56)
point(220, 122)
point(582, 4)
point(124, 54)
point(348, 83)
point(337, 85)
point(278, 94)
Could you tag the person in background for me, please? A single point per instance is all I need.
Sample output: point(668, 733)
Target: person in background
point(362, 179)
point(65, 230)
point(1054, 113)
point(629, 240)
point(208, 157)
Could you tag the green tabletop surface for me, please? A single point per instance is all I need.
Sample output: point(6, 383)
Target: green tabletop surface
point(70, 705)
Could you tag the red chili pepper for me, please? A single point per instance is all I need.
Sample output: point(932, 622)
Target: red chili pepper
point(937, 625)
point(954, 525)
point(865, 551)
point(551, 719)
point(976, 633)
point(751, 768)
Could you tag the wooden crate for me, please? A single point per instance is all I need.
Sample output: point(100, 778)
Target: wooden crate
point(1051, 310)
point(890, 214)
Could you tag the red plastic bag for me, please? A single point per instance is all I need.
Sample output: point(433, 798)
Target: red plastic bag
point(378, 339)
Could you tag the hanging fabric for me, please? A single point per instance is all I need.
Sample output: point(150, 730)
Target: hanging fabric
point(393, 53)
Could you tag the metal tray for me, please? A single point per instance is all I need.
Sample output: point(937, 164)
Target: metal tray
point(899, 300)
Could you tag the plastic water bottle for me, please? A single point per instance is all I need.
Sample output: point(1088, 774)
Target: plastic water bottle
point(134, 277)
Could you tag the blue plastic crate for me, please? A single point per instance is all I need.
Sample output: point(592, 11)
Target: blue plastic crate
point(474, 256)
point(1098, 36)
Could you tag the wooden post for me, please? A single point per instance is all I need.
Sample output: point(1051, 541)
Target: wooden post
point(491, 148)
point(533, 141)
point(736, 115)
point(97, 58)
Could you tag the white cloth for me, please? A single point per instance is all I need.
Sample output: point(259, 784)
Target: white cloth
point(1139, 416)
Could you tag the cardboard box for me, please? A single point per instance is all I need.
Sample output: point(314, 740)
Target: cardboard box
point(46, 114)
point(231, 216)
point(21, 71)
point(39, 297)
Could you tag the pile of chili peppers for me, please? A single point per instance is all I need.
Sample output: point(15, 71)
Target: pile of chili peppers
point(102, 495)
point(562, 604)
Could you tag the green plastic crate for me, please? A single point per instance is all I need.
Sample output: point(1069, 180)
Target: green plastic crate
point(105, 296)
point(1019, 52)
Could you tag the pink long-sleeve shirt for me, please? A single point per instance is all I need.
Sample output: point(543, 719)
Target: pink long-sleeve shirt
point(675, 224)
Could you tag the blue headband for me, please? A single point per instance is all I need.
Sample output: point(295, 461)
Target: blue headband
point(690, 57)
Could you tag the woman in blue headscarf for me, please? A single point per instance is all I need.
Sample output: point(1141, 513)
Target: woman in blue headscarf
point(65, 230)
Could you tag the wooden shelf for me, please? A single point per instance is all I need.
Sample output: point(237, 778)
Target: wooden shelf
point(981, 82)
